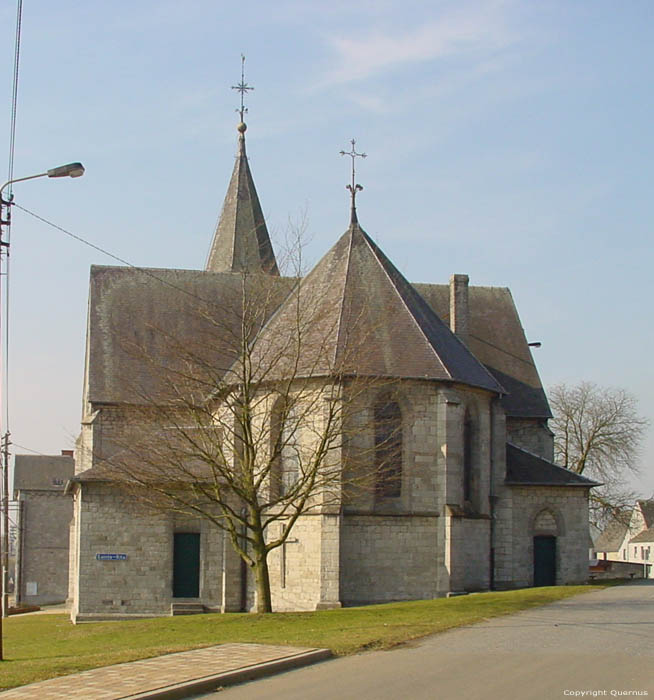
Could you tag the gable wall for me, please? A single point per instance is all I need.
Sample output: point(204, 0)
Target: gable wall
point(532, 435)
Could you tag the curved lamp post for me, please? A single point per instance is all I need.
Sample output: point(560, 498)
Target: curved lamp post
point(69, 170)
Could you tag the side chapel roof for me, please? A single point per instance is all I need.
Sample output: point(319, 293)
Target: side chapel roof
point(524, 468)
point(369, 320)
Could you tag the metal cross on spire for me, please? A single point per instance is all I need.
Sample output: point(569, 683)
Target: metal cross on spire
point(243, 88)
point(354, 188)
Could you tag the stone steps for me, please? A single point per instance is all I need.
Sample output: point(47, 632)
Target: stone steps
point(187, 609)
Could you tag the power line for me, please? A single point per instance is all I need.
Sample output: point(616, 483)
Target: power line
point(28, 449)
point(144, 270)
point(14, 92)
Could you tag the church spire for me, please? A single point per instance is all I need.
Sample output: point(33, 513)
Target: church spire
point(354, 188)
point(241, 241)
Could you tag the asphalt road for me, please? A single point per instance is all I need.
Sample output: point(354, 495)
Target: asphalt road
point(601, 643)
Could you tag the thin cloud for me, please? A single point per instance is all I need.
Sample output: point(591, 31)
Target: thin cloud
point(462, 32)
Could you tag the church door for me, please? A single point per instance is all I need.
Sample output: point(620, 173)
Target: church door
point(186, 565)
point(544, 560)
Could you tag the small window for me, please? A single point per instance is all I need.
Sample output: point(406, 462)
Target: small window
point(57, 482)
point(388, 449)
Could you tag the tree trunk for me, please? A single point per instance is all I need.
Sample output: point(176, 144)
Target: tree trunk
point(262, 577)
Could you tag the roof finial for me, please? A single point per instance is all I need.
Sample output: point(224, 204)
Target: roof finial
point(243, 88)
point(354, 188)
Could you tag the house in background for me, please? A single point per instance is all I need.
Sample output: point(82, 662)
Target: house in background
point(44, 515)
point(632, 542)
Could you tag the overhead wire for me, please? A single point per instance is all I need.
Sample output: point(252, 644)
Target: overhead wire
point(29, 449)
point(144, 270)
point(14, 92)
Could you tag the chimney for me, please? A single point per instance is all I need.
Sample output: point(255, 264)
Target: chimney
point(459, 307)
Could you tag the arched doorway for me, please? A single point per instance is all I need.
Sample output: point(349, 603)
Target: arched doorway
point(545, 532)
point(544, 560)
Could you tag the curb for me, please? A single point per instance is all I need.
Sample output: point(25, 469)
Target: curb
point(216, 681)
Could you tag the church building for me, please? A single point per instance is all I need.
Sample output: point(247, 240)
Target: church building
point(475, 503)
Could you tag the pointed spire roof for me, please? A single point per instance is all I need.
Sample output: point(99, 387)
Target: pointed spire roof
point(367, 319)
point(241, 241)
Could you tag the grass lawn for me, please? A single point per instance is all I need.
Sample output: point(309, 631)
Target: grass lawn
point(37, 647)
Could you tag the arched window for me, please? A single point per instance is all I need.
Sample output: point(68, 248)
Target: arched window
point(388, 448)
point(290, 452)
point(467, 457)
point(285, 439)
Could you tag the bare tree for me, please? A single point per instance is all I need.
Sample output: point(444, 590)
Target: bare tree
point(253, 420)
point(597, 433)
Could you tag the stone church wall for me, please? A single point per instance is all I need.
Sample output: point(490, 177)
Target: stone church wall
point(141, 584)
point(531, 435)
point(388, 558)
point(476, 545)
point(568, 507)
point(293, 567)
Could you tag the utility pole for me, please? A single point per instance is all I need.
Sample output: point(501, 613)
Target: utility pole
point(5, 523)
point(69, 170)
point(4, 560)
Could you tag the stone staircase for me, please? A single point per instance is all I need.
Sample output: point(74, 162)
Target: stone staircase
point(187, 609)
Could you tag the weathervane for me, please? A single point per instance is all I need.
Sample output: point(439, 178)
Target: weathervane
point(354, 188)
point(243, 88)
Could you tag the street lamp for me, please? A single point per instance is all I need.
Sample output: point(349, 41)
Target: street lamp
point(69, 170)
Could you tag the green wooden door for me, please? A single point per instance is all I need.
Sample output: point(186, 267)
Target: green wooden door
point(544, 560)
point(186, 565)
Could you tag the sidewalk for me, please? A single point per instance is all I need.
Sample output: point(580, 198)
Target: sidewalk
point(173, 675)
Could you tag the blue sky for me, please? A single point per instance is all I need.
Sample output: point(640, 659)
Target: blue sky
point(507, 140)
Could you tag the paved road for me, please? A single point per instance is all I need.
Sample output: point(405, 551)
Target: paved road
point(600, 642)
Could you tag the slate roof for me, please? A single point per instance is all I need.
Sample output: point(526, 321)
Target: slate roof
point(142, 307)
point(106, 474)
point(241, 241)
point(647, 509)
point(42, 472)
point(497, 339)
point(644, 536)
point(93, 474)
point(526, 469)
point(612, 537)
point(143, 321)
point(368, 320)
point(128, 305)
